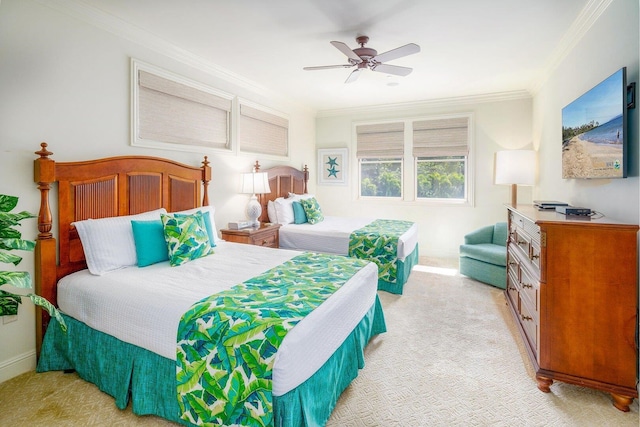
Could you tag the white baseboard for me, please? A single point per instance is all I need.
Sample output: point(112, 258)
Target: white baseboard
point(17, 365)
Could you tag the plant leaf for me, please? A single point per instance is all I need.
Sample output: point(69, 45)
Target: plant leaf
point(19, 244)
point(7, 203)
point(19, 279)
point(42, 302)
point(8, 258)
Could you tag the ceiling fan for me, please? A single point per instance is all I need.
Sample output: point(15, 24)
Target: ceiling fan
point(365, 57)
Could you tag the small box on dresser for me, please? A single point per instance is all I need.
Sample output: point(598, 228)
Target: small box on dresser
point(572, 286)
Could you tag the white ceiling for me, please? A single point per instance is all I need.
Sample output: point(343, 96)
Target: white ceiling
point(468, 47)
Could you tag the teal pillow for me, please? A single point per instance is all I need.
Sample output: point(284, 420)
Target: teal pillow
point(312, 210)
point(151, 247)
point(186, 237)
point(299, 217)
point(206, 215)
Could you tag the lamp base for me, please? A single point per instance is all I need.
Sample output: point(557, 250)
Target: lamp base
point(254, 210)
point(514, 195)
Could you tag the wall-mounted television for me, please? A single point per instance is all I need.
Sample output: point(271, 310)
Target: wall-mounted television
point(594, 131)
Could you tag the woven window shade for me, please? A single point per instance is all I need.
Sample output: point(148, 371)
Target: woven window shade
point(172, 112)
point(441, 137)
point(381, 140)
point(263, 133)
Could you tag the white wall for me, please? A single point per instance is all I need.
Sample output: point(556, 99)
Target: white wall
point(500, 122)
point(66, 82)
point(610, 44)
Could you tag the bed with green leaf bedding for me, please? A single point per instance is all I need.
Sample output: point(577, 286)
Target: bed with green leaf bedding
point(202, 332)
point(390, 243)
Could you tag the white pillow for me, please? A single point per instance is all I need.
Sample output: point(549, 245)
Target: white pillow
point(108, 242)
point(204, 209)
point(294, 196)
point(271, 212)
point(284, 210)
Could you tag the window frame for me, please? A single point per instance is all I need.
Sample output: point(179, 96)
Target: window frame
point(409, 164)
point(136, 141)
point(381, 160)
point(267, 112)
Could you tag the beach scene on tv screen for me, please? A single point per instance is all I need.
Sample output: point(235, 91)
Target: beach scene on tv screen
point(593, 132)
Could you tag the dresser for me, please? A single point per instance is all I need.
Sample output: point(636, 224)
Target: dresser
point(266, 235)
point(572, 287)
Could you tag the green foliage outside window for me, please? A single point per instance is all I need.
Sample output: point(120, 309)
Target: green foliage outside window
point(381, 178)
point(441, 178)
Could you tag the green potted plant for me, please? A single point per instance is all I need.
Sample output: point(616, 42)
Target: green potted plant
point(11, 239)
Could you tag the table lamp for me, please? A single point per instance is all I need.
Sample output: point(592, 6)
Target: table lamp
point(515, 167)
point(255, 183)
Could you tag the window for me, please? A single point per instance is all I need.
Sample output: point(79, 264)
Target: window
point(380, 150)
point(441, 149)
point(176, 113)
point(440, 170)
point(262, 132)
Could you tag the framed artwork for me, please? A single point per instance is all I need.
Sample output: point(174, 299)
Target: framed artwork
point(333, 166)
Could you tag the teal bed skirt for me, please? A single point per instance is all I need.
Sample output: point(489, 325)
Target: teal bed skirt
point(404, 269)
point(130, 373)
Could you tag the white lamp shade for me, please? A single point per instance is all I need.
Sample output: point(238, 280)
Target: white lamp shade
point(515, 167)
point(255, 183)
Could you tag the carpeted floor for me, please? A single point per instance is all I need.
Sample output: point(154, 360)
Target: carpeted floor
point(451, 357)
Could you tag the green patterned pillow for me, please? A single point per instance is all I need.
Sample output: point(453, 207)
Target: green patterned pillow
point(312, 210)
point(186, 237)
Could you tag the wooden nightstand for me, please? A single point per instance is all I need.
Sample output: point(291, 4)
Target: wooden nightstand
point(266, 235)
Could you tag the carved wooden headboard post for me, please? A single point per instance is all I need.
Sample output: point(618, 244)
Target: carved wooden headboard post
point(305, 172)
point(206, 177)
point(45, 251)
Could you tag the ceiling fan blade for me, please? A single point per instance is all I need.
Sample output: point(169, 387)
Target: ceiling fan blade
point(353, 76)
point(327, 67)
point(345, 49)
point(392, 69)
point(399, 52)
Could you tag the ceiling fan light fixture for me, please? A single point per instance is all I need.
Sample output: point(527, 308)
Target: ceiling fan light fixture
point(365, 57)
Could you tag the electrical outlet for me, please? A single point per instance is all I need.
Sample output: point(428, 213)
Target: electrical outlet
point(9, 319)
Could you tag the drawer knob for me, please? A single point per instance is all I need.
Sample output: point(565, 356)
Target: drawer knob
point(527, 285)
point(526, 317)
point(522, 242)
point(535, 256)
point(265, 242)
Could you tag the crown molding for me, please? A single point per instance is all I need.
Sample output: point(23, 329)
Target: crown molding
point(433, 103)
point(588, 16)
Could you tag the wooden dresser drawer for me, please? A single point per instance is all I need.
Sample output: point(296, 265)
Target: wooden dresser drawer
point(529, 322)
point(265, 240)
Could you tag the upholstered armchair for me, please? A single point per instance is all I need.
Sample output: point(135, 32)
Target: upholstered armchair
point(484, 255)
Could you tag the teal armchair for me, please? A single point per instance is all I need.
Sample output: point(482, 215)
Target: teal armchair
point(483, 256)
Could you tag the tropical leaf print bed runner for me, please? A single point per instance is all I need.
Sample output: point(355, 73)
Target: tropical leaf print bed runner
point(378, 242)
point(227, 342)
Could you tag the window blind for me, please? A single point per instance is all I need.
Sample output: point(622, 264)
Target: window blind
point(262, 132)
point(176, 113)
point(382, 140)
point(441, 137)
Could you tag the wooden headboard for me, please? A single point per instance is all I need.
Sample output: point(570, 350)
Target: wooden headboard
point(282, 181)
point(100, 188)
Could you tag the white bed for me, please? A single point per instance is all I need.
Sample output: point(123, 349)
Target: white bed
point(130, 329)
point(143, 306)
point(332, 236)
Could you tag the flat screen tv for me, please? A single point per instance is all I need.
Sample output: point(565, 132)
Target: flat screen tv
point(594, 131)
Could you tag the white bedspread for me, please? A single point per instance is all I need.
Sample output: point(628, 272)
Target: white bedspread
point(332, 236)
point(143, 306)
